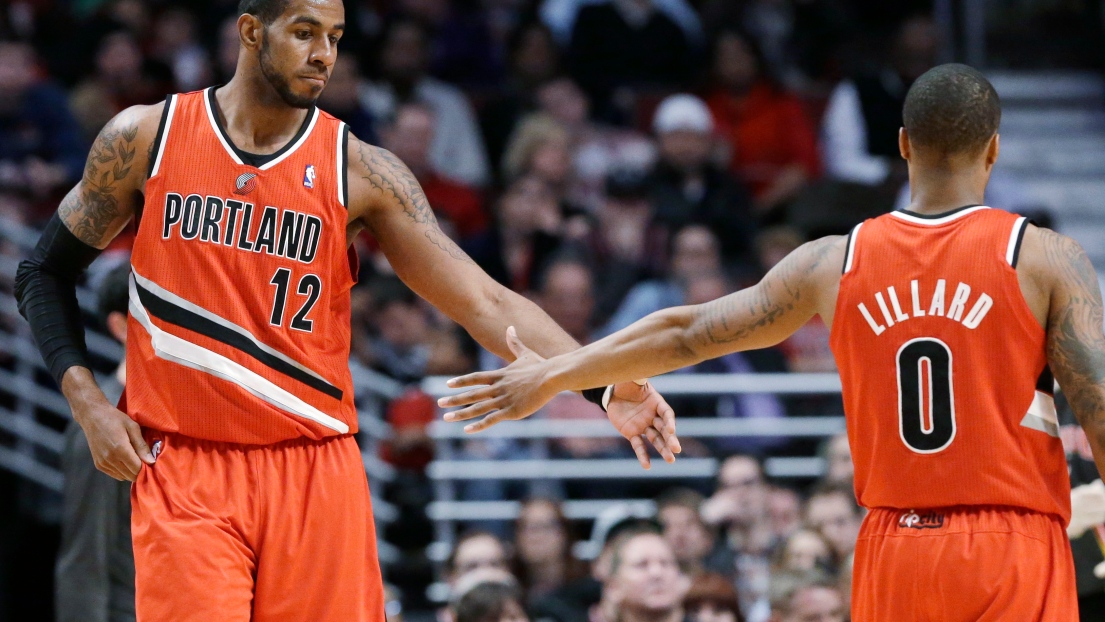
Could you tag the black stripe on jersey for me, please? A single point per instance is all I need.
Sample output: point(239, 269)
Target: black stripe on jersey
point(1046, 382)
point(847, 250)
point(345, 169)
point(156, 151)
point(256, 160)
point(1020, 238)
point(941, 214)
point(179, 316)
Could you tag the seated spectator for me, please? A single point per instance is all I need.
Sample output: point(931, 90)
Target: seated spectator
point(644, 583)
point(119, 82)
point(688, 187)
point(41, 150)
point(806, 550)
point(739, 507)
point(694, 250)
point(773, 144)
point(543, 543)
point(805, 597)
point(341, 98)
point(457, 151)
point(566, 292)
point(532, 58)
point(695, 543)
point(597, 149)
point(461, 49)
point(784, 510)
point(624, 46)
point(839, 469)
point(833, 512)
point(539, 146)
point(476, 551)
point(490, 601)
point(712, 599)
point(410, 136)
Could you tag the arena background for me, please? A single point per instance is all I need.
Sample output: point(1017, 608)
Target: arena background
point(546, 139)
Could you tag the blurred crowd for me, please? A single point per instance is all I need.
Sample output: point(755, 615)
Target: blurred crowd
point(751, 551)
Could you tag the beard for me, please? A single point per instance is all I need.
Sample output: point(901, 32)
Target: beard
point(280, 83)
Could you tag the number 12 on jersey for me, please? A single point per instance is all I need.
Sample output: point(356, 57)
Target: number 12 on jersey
point(309, 285)
point(926, 402)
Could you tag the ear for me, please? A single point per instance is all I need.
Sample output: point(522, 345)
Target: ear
point(117, 326)
point(250, 31)
point(992, 150)
point(903, 144)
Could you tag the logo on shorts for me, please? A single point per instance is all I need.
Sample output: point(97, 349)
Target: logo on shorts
point(928, 520)
point(246, 183)
point(155, 449)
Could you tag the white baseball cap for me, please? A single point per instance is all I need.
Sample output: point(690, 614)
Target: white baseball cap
point(682, 112)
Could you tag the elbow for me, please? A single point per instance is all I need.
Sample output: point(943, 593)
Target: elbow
point(679, 325)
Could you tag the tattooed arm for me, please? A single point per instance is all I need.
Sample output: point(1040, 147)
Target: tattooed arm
point(1075, 343)
point(386, 199)
point(91, 215)
point(802, 285)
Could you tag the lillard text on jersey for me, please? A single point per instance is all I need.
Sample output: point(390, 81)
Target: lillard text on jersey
point(926, 298)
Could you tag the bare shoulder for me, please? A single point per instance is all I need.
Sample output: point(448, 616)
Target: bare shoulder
point(1048, 259)
point(377, 178)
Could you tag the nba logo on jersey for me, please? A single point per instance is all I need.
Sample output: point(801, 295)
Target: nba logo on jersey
point(309, 176)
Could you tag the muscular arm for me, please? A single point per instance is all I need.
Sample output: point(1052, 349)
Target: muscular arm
point(1075, 342)
point(760, 316)
point(385, 198)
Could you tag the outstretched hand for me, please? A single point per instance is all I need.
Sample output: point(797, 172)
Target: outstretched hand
point(518, 390)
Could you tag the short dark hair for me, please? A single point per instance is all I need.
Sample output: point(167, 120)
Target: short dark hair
point(953, 109)
point(486, 602)
point(265, 10)
point(114, 292)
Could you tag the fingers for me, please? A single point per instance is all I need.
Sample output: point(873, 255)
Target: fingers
point(661, 447)
point(639, 448)
point(134, 431)
point(468, 397)
point(665, 425)
point(505, 414)
point(474, 379)
point(475, 410)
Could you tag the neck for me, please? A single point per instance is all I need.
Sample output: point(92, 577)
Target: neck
point(252, 110)
point(935, 192)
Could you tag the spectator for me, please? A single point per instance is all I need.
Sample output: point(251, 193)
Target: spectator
point(689, 188)
point(476, 551)
point(695, 544)
point(597, 149)
point(341, 99)
point(644, 583)
point(461, 51)
point(809, 597)
point(622, 47)
point(175, 45)
point(41, 151)
point(560, 17)
point(833, 512)
point(410, 137)
point(860, 131)
point(532, 58)
point(566, 293)
point(490, 601)
point(119, 82)
point(457, 151)
point(784, 510)
point(839, 469)
point(95, 568)
point(806, 550)
point(712, 599)
point(773, 144)
point(539, 145)
point(543, 541)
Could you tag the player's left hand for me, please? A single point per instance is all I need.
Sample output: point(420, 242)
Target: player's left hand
point(518, 390)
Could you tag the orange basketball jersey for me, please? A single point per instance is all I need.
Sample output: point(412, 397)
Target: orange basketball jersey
point(945, 380)
point(239, 299)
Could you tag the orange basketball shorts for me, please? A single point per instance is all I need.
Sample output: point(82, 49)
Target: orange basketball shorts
point(963, 564)
point(240, 533)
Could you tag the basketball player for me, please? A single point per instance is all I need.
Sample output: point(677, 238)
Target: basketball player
point(947, 321)
point(250, 500)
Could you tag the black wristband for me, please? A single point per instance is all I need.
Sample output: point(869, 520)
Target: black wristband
point(46, 288)
point(595, 396)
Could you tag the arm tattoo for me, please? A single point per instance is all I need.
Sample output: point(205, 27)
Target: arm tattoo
point(387, 174)
point(739, 316)
point(1075, 342)
point(92, 208)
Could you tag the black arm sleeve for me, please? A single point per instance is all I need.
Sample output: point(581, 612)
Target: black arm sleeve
point(46, 289)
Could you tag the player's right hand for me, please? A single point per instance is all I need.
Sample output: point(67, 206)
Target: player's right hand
point(115, 440)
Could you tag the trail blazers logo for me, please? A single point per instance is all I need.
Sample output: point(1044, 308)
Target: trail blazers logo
point(913, 520)
point(246, 183)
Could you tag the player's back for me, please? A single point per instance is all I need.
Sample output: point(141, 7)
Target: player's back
point(944, 369)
